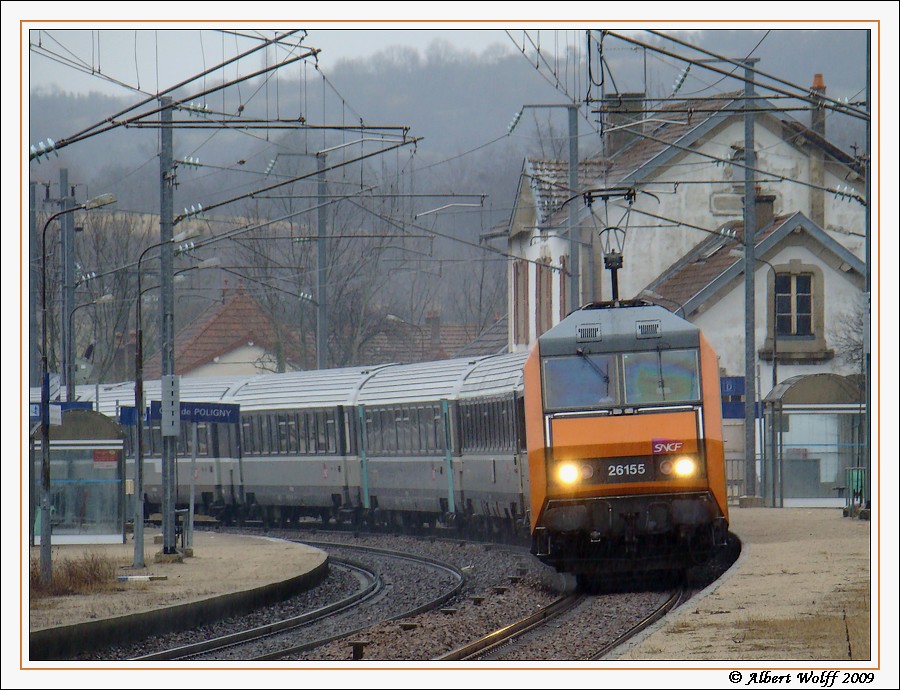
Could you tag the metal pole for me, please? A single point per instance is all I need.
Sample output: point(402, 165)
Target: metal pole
point(448, 456)
point(167, 336)
point(321, 296)
point(46, 565)
point(190, 525)
point(867, 347)
point(749, 285)
point(139, 408)
point(68, 280)
point(574, 253)
point(139, 430)
point(34, 371)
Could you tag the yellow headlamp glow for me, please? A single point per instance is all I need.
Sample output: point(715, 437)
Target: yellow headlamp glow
point(568, 473)
point(685, 467)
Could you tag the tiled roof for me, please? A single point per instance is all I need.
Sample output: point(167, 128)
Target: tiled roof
point(550, 178)
point(493, 340)
point(667, 126)
point(549, 181)
point(407, 343)
point(835, 152)
point(235, 322)
point(702, 265)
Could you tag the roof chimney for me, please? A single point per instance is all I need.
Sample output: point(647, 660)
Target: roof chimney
point(433, 322)
point(817, 120)
point(623, 109)
point(765, 210)
point(817, 154)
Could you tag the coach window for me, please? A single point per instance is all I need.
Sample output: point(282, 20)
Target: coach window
point(202, 440)
point(155, 439)
point(265, 440)
point(314, 433)
point(303, 432)
point(580, 381)
point(247, 433)
point(408, 442)
point(331, 431)
point(426, 428)
point(290, 433)
point(389, 429)
point(661, 376)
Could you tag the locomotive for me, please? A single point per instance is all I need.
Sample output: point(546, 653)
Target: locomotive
point(602, 446)
point(624, 435)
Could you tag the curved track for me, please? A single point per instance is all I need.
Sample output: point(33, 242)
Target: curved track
point(375, 601)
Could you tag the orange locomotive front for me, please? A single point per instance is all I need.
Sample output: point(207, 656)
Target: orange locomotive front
point(624, 434)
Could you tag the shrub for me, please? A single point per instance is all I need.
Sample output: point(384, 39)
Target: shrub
point(86, 574)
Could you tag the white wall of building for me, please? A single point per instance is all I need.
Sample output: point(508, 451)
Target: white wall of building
point(650, 250)
point(243, 361)
point(724, 326)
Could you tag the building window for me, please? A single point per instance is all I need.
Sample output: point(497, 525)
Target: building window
point(521, 301)
point(796, 314)
point(793, 304)
point(563, 280)
point(544, 298)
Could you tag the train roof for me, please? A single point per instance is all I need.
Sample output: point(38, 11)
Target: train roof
point(488, 376)
point(300, 389)
point(622, 327)
point(495, 376)
point(444, 379)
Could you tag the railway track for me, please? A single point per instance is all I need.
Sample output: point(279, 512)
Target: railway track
point(480, 648)
point(513, 641)
point(381, 596)
point(678, 597)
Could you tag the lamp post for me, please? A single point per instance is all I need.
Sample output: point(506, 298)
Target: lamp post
point(103, 299)
point(139, 409)
point(740, 254)
point(46, 566)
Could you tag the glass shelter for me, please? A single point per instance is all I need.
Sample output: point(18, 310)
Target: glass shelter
point(87, 482)
point(815, 443)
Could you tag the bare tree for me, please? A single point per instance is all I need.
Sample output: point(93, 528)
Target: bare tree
point(850, 334)
point(101, 320)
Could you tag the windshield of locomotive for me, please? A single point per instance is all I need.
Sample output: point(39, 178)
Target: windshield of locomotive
point(661, 376)
point(580, 381)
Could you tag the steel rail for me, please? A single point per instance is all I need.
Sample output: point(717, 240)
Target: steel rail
point(372, 585)
point(505, 635)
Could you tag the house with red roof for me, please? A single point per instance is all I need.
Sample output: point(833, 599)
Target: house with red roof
point(235, 337)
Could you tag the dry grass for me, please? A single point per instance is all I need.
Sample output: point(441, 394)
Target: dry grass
point(841, 635)
point(842, 632)
point(86, 574)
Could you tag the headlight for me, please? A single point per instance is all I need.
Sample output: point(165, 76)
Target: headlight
point(685, 467)
point(568, 473)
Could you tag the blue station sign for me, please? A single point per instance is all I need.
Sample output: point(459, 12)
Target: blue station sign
point(219, 413)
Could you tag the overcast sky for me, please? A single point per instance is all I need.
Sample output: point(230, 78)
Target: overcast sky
point(155, 58)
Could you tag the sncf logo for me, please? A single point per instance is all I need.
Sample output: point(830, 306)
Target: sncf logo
point(663, 446)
